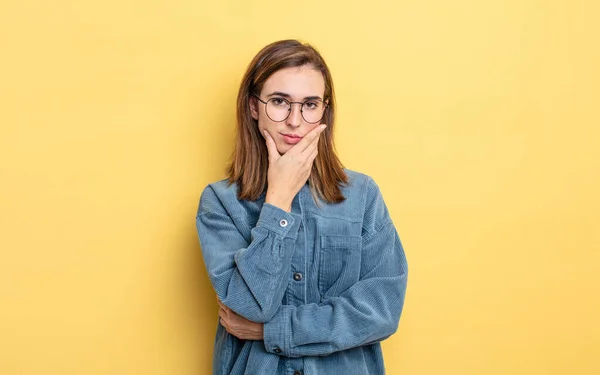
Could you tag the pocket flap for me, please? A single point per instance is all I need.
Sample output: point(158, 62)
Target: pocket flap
point(329, 241)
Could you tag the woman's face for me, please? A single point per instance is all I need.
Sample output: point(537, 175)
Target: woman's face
point(296, 84)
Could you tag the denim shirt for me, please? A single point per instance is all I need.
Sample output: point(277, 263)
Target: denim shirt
point(328, 281)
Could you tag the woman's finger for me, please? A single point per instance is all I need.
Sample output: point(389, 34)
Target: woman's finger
point(271, 147)
point(308, 139)
point(222, 316)
point(224, 313)
point(312, 146)
point(224, 324)
point(313, 156)
point(223, 306)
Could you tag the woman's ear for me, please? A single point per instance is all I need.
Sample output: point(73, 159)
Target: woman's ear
point(254, 107)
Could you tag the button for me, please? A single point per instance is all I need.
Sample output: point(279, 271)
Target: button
point(277, 350)
point(283, 223)
point(297, 372)
point(297, 276)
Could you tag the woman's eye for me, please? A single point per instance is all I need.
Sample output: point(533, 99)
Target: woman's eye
point(279, 102)
point(311, 105)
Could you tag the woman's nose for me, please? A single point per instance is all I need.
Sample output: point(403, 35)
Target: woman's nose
point(295, 117)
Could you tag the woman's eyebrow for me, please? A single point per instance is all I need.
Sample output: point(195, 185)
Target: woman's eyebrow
point(313, 98)
point(286, 95)
point(279, 93)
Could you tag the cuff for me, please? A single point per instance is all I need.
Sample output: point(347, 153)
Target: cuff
point(276, 332)
point(285, 224)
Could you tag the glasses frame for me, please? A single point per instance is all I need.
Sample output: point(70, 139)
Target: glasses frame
point(290, 110)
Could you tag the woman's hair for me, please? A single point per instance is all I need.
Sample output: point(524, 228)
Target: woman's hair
point(249, 162)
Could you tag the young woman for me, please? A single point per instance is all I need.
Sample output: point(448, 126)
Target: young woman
point(308, 268)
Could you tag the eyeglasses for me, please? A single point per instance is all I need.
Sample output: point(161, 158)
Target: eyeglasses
point(279, 109)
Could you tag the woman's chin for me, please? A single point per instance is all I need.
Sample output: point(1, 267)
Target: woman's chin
point(283, 148)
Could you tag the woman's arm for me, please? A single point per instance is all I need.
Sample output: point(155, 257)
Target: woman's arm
point(249, 278)
point(365, 313)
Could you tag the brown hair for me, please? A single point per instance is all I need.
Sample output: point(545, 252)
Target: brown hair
point(249, 162)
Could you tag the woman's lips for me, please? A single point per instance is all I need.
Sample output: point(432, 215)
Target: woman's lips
point(291, 139)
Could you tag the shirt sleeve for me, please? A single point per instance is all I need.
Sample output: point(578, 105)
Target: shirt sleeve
point(250, 278)
point(367, 312)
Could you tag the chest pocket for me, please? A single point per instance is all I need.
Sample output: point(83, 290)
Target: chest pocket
point(339, 263)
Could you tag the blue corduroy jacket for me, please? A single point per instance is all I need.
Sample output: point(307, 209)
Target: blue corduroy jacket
point(328, 281)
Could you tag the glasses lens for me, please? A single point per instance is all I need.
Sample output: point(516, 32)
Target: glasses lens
point(278, 109)
point(313, 110)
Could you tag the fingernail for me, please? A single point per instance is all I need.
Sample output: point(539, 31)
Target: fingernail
point(323, 127)
point(266, 133)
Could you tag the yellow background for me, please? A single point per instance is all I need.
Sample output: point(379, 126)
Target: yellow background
point(478, 119)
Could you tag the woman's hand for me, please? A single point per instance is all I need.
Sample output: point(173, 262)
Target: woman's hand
point(239, 326)
point(289, 172)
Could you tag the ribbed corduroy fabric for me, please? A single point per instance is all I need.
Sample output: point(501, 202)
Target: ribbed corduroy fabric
point(328, 281)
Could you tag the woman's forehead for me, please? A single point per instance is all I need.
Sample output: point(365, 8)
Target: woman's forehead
point(297, 82)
